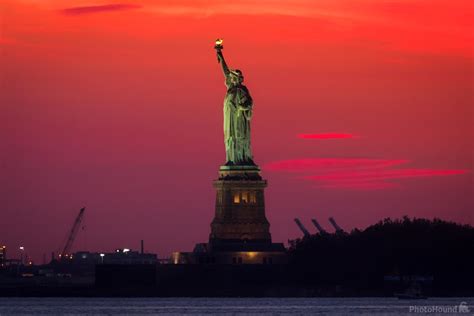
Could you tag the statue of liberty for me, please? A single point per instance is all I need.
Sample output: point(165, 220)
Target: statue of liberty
point(237, 115)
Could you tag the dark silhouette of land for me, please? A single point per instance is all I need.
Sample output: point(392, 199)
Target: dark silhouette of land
point(438, 254)
point(381, 260)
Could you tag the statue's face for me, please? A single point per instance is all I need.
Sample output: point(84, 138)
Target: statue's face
point(237, 77)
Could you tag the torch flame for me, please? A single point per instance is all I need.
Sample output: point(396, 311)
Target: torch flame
point(219, 41)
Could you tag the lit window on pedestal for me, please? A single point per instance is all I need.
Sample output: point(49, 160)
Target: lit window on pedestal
point(236, 198)
point(253, 197)
point(245, 197)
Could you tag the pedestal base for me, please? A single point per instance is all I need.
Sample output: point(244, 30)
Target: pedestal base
point(240, 232)
point(240, 206)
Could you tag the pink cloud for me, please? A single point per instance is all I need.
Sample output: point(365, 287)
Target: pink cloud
point(326, 136)
point(317, 164)
point(99, 8)
point(356, 173)
point(382, 174)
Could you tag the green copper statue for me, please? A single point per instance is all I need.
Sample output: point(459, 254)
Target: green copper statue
point(237, 114)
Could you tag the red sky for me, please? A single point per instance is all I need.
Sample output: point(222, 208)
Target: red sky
point(363, 110)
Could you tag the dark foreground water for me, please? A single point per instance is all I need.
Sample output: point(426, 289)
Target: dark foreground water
point(234, 306)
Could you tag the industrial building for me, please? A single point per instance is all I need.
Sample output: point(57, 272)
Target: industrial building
point(120, 256)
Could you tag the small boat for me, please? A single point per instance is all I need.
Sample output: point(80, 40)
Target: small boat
point(412, 293)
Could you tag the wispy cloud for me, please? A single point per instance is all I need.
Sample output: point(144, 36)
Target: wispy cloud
point(247, 7)
point(356, 173)
point(99, 8)
point(376, 175)
point(435, 27)
point(328, 164)
point(400, 26)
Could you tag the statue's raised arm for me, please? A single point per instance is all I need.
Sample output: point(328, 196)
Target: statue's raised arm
point(220, 57)
point(221, 60)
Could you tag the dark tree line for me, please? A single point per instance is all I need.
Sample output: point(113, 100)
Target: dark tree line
point(443, 251)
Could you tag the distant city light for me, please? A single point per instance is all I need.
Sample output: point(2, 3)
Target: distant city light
point(126, 250)
point(22, 248)
point(102, 254)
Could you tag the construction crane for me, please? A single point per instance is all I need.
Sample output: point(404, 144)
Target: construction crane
point(303, 229)
point(321, 230)
point(72, 234)
point(336, 227)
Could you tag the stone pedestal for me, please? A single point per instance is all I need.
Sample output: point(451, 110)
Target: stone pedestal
point(240, 232)
point(240, 206)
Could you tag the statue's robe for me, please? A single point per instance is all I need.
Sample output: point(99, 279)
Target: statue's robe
point(237, 114)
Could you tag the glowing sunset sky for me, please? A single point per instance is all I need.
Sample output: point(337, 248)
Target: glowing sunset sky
point(363, 110)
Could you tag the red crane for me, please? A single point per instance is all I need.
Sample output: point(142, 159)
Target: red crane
point(72, 234)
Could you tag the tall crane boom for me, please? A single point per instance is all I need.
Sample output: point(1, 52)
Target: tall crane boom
point(336, 227)
point(321, 230)
point(73, 233)
point(301, 226)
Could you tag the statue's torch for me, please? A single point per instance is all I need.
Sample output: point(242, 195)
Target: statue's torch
point(219, 47)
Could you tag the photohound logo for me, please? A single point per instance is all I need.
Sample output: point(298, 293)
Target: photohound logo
point(462, 308)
